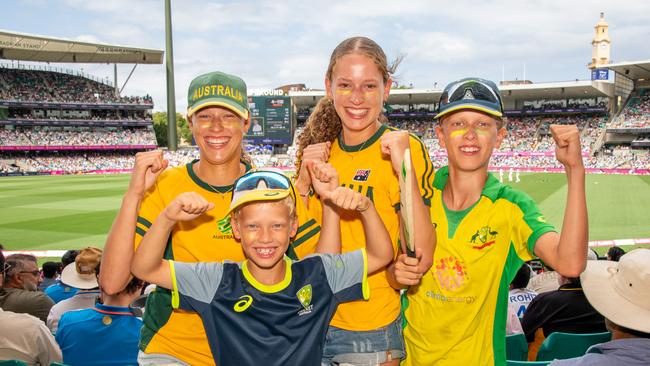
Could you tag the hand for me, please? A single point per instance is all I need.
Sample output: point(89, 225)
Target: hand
point(567, 150)
point(317, 152)
point(394, 143)
point(347, 199)
point(187, 206)
point(408, 271)
point(147, 167)
point(324, 178)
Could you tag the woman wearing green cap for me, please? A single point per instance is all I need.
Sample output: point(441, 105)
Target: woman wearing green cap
point(218, 115)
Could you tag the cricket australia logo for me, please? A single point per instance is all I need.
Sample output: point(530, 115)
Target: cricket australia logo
point(304, 295)
point(483, 238)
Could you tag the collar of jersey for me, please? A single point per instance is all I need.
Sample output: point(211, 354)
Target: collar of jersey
point(490, 190)
point(269, 289)
point(364, 145)
point(210, 188)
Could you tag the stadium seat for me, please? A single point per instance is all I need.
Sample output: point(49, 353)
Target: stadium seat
point(12, 363)
point(560, 345)
point(526, 363)
point(516, 347)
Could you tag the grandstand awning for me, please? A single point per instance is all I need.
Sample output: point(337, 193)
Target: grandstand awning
point(634, 70)
point(26, 47)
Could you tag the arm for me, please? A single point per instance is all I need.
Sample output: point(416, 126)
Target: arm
point(567, 252)
point(408, 271)
point(118, 250)
point(379, 248)
point(148, 263)
point(313, 153)
point(325, 180)
point(48, 349)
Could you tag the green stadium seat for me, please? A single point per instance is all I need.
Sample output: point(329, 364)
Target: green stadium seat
point(58, 364)
point(526, 363)
point(561, 346)
point(12, 363)
point(516, 347)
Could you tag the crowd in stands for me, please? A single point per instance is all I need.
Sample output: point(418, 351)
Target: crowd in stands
point(94, 115)
point(636, 113)
point(53, 87)
point(76, 137)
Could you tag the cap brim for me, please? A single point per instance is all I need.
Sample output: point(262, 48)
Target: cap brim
point(218, 102)
point(257, 195)
point(71, 277)
point(475, 107)
point(599, 290)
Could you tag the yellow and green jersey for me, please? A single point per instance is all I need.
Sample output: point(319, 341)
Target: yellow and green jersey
point(365, 169)
point(205, 239)
point(457, 314)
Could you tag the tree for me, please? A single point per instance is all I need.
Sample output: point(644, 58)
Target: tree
point(160, 128)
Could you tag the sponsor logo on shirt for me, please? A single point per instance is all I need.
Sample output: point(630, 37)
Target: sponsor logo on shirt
point(451, 273)
point(361, 175)
point(304, 295)
point(244, 303)
point(483, 238)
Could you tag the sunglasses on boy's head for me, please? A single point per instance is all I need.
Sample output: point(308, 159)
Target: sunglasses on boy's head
point(253, 180)
point(476, 89)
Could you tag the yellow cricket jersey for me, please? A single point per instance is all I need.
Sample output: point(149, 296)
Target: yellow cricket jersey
point(207, 238)
point(365, 169)
point(457, 314)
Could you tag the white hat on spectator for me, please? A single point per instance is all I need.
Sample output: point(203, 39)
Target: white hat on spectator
point(81, 273)
point(620, 291)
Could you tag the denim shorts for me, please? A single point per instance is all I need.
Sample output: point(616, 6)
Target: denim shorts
point(364, 347)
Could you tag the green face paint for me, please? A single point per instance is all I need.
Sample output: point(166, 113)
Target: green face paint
point(481, 132)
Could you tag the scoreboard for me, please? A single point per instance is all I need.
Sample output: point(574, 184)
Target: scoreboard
point(273, 120)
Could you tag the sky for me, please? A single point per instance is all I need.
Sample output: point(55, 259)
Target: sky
point(274, 43)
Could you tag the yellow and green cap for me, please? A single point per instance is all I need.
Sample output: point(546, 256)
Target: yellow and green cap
point(218, 89)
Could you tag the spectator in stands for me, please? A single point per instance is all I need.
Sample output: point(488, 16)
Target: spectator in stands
point(24, 337)
point(61, 291)
point(81, 275)
point(218, 122)
point(20, 292)
point(615, 253)
point(25, 274)
point(563, 310)
point(619, 291)
point(106, 334)
point(546, 280)
point(519, 296)
point(50, 271)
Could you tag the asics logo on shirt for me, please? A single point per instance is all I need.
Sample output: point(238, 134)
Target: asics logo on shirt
point(243, 304)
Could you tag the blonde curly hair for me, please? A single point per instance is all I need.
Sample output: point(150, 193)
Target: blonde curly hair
point(324, 123)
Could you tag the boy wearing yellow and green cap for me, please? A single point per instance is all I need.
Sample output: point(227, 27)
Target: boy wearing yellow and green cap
point(267, 309)
point(218, 115)
point(455, 312)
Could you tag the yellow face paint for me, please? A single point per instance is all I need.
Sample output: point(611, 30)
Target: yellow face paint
point(343, 91)
point(370, 94)
point(458, 133)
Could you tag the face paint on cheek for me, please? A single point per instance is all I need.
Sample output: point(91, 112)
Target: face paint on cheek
point(458, 133)
point(370, 94)
point(343, 91)
point(481, 132)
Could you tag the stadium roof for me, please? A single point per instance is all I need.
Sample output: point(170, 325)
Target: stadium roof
point(634, 70)
point(26, 47)
point(536, 91)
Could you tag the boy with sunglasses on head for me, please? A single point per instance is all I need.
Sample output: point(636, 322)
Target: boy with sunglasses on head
point(267, 308)
point(455, 313)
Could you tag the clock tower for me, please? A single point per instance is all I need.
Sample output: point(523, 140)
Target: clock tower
point(601, 45)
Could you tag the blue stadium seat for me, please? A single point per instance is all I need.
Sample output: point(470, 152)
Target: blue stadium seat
point(567, 345)
point(516, 347)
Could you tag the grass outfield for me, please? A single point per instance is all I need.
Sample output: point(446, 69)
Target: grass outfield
point(64, 212)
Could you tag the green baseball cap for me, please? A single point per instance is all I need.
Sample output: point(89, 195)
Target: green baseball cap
point(217, 89)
